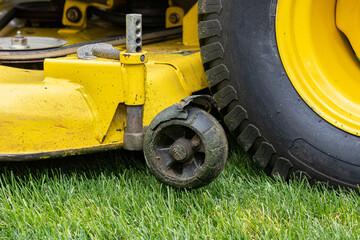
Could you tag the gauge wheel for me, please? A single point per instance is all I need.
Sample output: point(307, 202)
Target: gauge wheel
point(186, 153)
point(286, 77)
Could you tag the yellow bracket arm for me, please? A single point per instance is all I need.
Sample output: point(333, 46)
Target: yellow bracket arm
point(135, 68)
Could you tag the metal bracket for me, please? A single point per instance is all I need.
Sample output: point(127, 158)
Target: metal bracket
point(174, 17)
point(74, 13)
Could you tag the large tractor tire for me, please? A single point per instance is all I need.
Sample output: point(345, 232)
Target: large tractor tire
point(262, 106)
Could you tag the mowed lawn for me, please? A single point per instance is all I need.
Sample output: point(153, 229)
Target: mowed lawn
point(113, 196)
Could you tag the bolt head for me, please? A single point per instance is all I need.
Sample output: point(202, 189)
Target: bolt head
point(178, 152)
point(19, 41)
point(174, 18)
point(73, 14)
point(181, 150)
point(196, 143)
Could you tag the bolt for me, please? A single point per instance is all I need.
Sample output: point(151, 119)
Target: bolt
point(178, 152)
point(19, 41)
point(142, 58)
point(174, 18)
point(74, 14)
point(181, 150)
point(196, 143)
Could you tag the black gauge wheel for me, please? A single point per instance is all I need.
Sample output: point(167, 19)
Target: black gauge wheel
point(186, 153)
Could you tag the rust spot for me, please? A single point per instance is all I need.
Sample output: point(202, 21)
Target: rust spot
point(60, 126)
point(103, 139)
point(126, 55)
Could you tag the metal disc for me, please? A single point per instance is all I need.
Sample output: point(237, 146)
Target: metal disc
point(35, 43)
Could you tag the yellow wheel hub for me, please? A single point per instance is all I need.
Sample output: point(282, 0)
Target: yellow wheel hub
point(319, 59)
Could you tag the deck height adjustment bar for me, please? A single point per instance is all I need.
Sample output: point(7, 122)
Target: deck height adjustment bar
point(134, 59)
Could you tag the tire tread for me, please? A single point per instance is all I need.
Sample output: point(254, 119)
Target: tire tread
point(217, 75)
point(212, 52)
point(217, 72)
point(235, 117)
point(225, 96)
point(209, 28)
point(209, 6)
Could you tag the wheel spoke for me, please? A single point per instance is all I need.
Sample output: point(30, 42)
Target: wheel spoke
point(196, 164)
point(165, 158)
point(189, 170)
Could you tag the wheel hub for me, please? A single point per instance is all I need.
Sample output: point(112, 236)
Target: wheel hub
point(181, 150)
point(318, 59)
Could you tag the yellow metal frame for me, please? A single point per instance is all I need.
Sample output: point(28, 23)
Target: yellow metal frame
point(72, 104)
point(319, 60)
point(190, 29)
point(76, 106)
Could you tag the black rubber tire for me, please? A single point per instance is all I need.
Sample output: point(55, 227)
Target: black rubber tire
point(212, 139)
point(258, 102)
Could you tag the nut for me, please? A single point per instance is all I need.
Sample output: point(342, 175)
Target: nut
point(19, 41)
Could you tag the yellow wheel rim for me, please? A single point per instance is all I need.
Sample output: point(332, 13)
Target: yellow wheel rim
point(319, 61)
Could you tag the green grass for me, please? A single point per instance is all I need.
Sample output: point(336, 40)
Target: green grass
point(108, 196)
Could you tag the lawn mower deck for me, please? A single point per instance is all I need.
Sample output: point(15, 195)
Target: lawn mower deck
point(105, 97)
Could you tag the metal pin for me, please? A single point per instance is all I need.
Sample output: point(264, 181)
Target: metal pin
point(133, 33)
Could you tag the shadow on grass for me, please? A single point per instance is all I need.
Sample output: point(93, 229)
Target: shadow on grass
point(89, 165)
point(239, 166)
point(113, 163)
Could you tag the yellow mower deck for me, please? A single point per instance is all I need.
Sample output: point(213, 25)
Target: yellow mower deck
point(75, 106)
